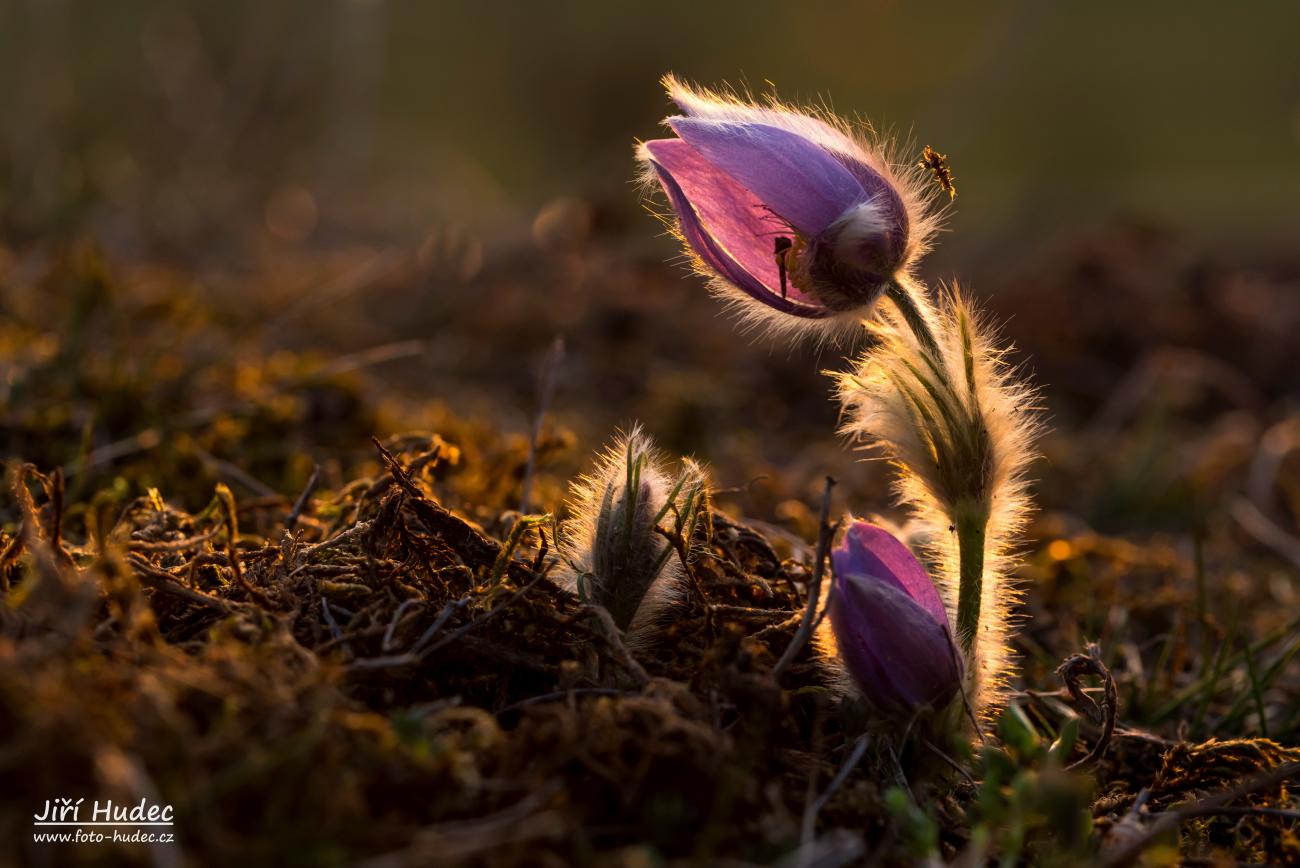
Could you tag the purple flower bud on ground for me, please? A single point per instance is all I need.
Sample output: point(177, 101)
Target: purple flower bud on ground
point(790, 209)
point(890, 626)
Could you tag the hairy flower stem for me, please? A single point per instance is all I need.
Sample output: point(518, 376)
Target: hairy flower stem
point(907, 306)
point(970, 519)
point(970, 522)
point(935, 396)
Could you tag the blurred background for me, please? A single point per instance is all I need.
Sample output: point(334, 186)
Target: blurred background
point(240, 238)
point(166, 123)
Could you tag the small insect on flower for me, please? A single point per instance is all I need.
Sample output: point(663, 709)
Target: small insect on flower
point(629, 525)
point(890, 626)
point(801, 221)
point(937, 164)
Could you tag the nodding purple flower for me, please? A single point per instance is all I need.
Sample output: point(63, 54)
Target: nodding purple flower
point(788, 209)
point(890, 626)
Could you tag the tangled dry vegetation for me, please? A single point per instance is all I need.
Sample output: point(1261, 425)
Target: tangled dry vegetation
point(220, 593)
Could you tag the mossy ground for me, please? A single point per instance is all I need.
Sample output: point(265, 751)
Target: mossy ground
point(384, 678)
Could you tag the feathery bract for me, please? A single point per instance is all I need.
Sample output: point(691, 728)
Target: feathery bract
point(612, 551)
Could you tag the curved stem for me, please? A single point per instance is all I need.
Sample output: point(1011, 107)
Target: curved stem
point(907, 306)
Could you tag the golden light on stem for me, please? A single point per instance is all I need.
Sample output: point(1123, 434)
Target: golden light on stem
point(933, 395)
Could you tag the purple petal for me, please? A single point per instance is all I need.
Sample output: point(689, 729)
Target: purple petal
point(867, 550)
point(898, 654)
point(706, 106)
point(703, 105)
point(871, 180)
point(725, 224)
point(797, 179)
point(886, 196)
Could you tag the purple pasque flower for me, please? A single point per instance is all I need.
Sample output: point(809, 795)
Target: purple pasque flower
point(788, 209)
point(890, 626)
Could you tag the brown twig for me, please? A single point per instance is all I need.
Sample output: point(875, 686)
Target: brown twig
point(1128, 853)
point(475, 549)
point(358, 529)
point(227, 500)
point(367, 358)
point(679, 546)
point(178, 545)
point(335, 631)
point(747, 535)
point(30, 533)
point(539, 561)
point(480, 549)
point(438, 623)
point(387, 644)
point(300, 505)
point(814, 808)
point(201, 560)
point(10, 554)
point(804, 633)
point(236, 473)
point(956, 766)
point(413, 658)
point(27, 524)
point(164, 582)
point(1075, 667)
point(54, 489)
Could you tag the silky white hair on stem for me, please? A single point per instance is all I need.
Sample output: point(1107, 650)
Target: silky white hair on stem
point(935, 396)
